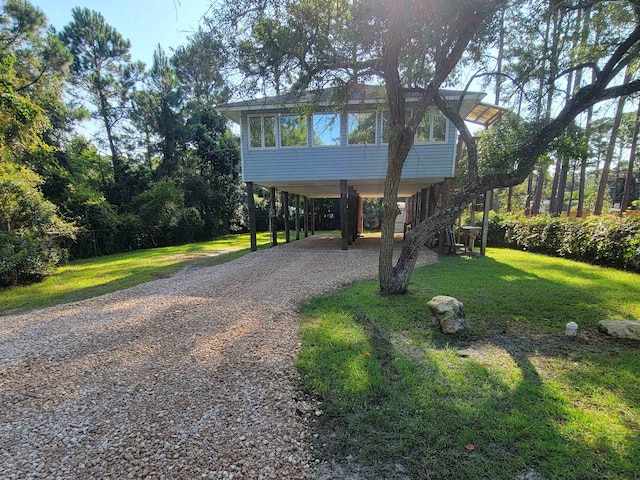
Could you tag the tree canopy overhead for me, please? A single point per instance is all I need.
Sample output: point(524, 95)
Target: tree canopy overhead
point(419, 47)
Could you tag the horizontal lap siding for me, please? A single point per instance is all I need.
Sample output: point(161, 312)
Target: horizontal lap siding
point(364, 162)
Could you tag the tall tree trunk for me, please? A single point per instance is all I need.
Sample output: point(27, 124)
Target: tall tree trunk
point(573, 183)
point(537, 197)
point(527, 207)
point(552, 34)
point(632, 156)
point(582, 182)
point(562, 165)
point(499, 59)
point(558, 196)
point(562, 187)
point(583, 167)
point(602, 187)
point(398, 149)
point(553, 59)
point(115, 157)
point(554, 185)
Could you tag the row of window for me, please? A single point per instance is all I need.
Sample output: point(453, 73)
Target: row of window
point(292, 130)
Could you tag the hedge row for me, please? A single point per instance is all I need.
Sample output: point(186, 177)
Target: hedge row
point(604, 240)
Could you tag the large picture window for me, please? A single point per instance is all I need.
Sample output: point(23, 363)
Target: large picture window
point(326, 129)
point(293, 131)
point(432, 128)
point(386, 122)
point(361, 128)
point(262, 131)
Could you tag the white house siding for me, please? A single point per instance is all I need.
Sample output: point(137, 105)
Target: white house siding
point(364, 162)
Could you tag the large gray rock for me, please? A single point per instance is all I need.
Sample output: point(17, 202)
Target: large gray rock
point(448, 313)
point(629, 329)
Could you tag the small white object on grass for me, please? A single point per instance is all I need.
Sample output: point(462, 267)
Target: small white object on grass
point(572, 329)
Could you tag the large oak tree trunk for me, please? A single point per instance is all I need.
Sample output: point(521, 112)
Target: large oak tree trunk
point(398, 150)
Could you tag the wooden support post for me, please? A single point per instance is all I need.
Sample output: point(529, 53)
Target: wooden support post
point(313, 216)
point(306, 217)
point(433, 200)
point(444, 203)
point(356, 216)
point(350, 216)
point(273, 224)
point(356, 202)
point(485, 221)
point(285, 208)
point(297, 217)
point(251, 204)
point(424, 195)
point(414, 210)
point(360, 215)
point(472, 213)
point(343, 215)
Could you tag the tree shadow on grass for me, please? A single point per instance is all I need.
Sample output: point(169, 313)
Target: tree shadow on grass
point(443, 416)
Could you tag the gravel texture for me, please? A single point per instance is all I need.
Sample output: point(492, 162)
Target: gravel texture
point(189, 377)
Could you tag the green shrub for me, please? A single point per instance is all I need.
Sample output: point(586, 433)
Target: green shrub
point(27, 258)
point(605, 240)
point(31, 232)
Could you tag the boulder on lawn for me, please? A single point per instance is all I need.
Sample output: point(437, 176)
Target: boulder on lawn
point(448, 313)
point(629, 329)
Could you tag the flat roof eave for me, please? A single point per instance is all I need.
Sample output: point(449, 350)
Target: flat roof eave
point(369, 96)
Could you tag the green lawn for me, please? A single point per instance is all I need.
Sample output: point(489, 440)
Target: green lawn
point(91, 277)
point(513, 394)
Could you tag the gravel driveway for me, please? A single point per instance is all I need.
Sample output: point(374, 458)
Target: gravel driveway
point(187, 377)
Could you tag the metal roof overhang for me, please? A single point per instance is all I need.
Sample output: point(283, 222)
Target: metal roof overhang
point(485, 114)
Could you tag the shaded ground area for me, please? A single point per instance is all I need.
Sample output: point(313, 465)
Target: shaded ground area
point(184, 377)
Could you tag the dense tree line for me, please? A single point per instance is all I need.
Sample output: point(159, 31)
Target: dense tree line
point(162, 169)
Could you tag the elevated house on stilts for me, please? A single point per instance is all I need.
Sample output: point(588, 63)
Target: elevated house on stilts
point(325, 145)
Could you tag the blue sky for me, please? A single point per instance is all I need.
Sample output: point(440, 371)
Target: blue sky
point(144, 22)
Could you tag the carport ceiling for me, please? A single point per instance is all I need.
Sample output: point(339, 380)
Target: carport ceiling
point(366, 188)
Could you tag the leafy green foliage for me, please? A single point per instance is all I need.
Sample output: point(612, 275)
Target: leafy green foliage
point(198, 66)
point(22, 121)
point(160, 214)
point(27, 257)
point(30, 229)
point(496, 145)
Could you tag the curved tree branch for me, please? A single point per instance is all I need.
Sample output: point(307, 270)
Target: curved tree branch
point(453, 114)
point(609, 70)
